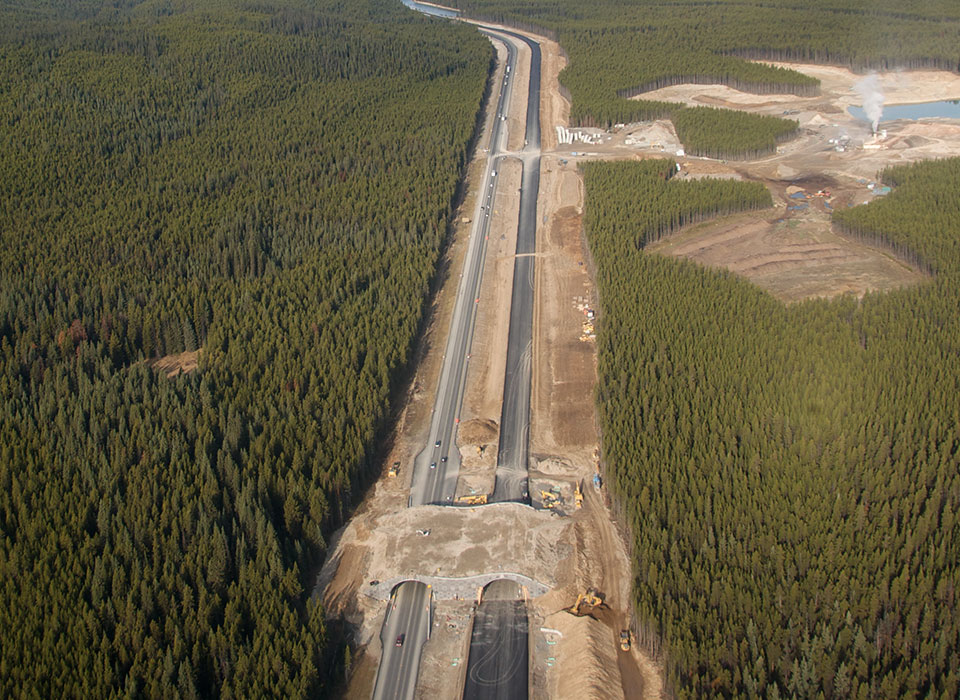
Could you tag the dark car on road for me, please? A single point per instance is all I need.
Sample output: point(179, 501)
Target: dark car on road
point(400, 638)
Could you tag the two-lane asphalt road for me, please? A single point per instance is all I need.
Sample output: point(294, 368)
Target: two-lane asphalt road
point(512, 456)
point(405, 630)
point(437, 466)
point(497, 668)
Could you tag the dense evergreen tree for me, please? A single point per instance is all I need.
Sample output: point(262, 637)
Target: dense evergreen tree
point(790, 475)
point(271, 182)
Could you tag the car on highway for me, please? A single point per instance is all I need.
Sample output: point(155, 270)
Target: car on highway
point(443, 459)
point(433, 465)
point(436, 444)
point(400, 638)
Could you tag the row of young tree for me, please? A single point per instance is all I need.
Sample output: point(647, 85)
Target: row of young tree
point(790, 475)
point(270, 182)
point(619, 50)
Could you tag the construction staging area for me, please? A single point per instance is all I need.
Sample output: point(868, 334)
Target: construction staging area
point(565, 555)
point(792, 250)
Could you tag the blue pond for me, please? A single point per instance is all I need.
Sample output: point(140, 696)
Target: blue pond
point(924, 110)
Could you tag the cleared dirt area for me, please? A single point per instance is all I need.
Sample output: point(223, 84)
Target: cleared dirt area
point(837, 91)
point(793, 250)
point(793, 257)
point(174, 365)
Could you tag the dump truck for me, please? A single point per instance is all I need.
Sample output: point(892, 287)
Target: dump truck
point(578, 497)
point(625, 640)
point(394, 470)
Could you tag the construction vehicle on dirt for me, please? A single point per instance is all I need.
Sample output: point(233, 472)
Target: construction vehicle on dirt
point(394, 470)
point(625, 640)
point(587, 602)
point(578, 497)
point(478, 500)
point(551, 499)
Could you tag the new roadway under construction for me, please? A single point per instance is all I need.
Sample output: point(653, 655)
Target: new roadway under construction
point(497, 665)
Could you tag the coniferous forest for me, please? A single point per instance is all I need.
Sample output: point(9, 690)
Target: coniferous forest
point(790, 475)
point(620, 49)
point(271, 182)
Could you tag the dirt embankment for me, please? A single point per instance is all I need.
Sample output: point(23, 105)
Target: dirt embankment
point(564, 433)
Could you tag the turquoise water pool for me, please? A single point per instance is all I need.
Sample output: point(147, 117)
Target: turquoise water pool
point(924, 110)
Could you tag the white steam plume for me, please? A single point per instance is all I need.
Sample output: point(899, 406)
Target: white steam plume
point(871, 93)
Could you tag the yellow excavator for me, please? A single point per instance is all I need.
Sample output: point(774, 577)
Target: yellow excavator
point(578, 497)
point(586, 602)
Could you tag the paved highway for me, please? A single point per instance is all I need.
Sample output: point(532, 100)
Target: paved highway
point(407, 623)
point(512, 455)
point(497, 668)
point(437, 466)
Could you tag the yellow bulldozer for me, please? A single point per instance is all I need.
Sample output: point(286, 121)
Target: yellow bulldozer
point(477, 500)
point(587, 602)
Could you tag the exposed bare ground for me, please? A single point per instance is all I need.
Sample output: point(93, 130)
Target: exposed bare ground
point(173, 365)
point(794, 253)
point(793, 257)
point(488, 354)
point(517, 117)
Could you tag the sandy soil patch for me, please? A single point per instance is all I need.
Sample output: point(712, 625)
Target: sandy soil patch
point(837, 91)
point(488, 351)
point(174, 365)
point(794, 256)
point(561, 418)
point(379, 545)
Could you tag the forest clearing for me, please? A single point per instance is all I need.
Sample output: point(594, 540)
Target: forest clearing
point(792, 250)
